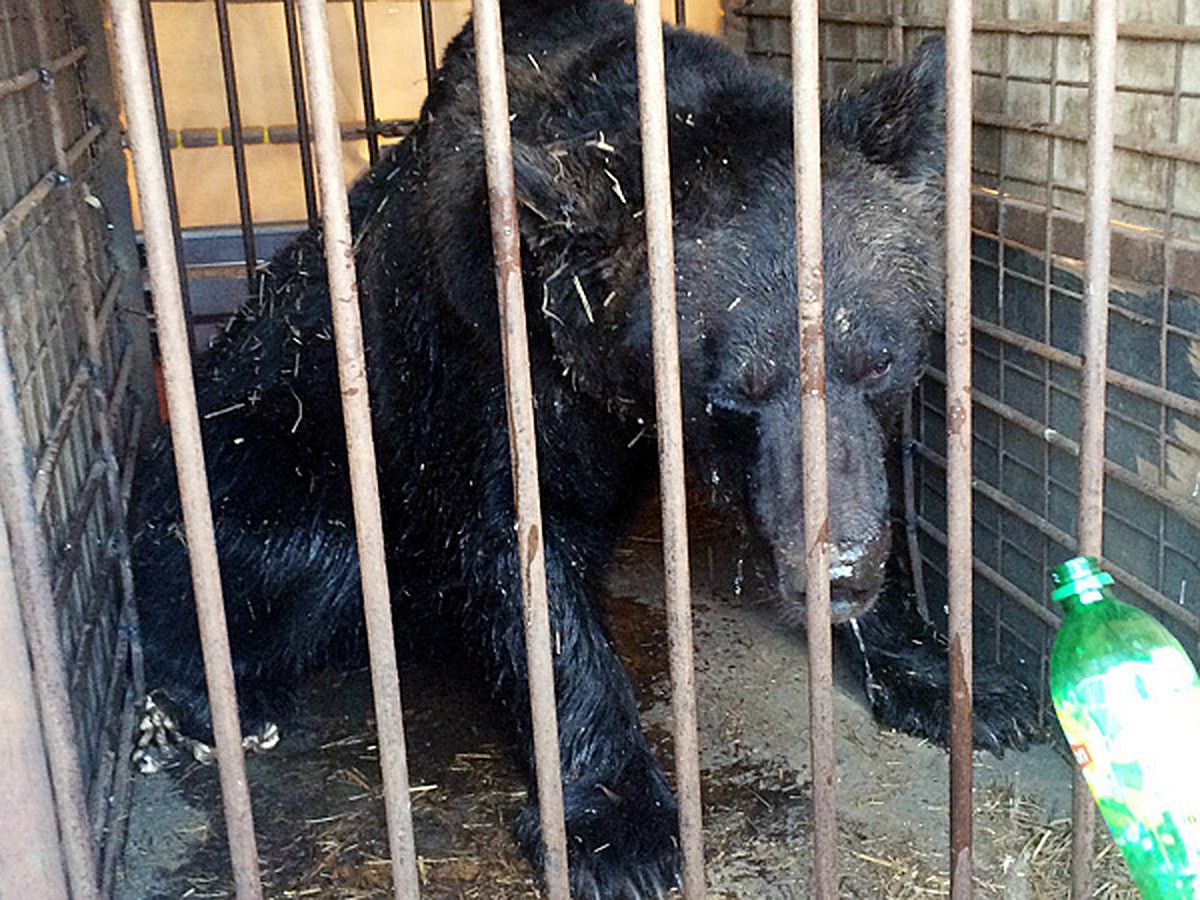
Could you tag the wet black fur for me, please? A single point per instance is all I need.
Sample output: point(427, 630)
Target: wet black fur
point(272, 427)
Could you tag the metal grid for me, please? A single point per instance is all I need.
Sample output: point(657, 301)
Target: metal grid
point(66, 252)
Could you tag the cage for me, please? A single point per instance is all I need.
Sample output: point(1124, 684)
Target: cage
point(233, 124)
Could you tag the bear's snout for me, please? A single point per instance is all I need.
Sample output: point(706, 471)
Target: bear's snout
point(856, 573)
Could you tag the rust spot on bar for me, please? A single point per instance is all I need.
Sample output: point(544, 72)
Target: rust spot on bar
point(812, 356)
point(822, 539)
point(959, 687)
point(533, 544)
point(959, 416)
point(961, 745)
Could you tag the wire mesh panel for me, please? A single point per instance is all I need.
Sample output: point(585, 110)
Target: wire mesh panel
point(66, 254)
point(1031, 80)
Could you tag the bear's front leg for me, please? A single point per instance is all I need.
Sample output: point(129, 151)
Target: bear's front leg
point(905, 665)
point(621, 817)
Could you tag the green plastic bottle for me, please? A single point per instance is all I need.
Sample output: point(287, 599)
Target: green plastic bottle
point(1128, 699)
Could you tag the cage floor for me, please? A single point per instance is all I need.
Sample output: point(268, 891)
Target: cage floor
point(319, 813)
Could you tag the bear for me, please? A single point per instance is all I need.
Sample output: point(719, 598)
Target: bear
point(270, 405)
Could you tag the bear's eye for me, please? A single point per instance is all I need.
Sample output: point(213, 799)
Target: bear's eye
point(758, 379)
point(878, 369)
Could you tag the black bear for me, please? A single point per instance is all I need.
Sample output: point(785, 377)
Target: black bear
point(272, 424)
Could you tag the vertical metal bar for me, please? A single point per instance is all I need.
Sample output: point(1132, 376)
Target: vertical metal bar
point(238, 144)
point(31, 571)
point(360, 447)
point(907, 464)
point(1049, 389)
point(958, 435)
point(895, 33)
point(115, 839)
point(681, 13)
point(132, 66)
point(364, 77)
point(160, 118)
point(301, 105)
point(810, 285)
point(31, 857)
point(1094, 349)
point(427, 44)
point(502, 203)
point(660, 252)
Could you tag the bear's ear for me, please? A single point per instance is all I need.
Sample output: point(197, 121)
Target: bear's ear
point(572, 194)
point(540, 194)
point(899, 119)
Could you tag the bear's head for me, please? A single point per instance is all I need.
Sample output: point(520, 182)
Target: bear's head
point(882, 201)
point(579, 183)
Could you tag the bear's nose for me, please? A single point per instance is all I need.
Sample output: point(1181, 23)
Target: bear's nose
point(856, 573)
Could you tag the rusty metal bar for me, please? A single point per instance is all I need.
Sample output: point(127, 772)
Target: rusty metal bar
point(19, 82)
point(958, 436)
point(360, 447)
point(108, 304)
point(304, 137)
point(115, 838)
point(43, 187)
point(82, 144)
point(117, 397)
point(238, 144)
point(1097, 239)
point(38, 75)
point(427, 42)
point(31, 574)
point(493, 107)
point(21, 210)
point(72, 556)
point(31, 856)
point(1094, 352)
point(364, 79)
point(806, 136)
point(129, 614)
point(909, 449)
point(160, 120)
point(53, 444)
point(114, 731)
point(150, 174)
point(660, 252)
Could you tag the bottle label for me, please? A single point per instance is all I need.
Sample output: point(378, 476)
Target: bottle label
point(1135, 730)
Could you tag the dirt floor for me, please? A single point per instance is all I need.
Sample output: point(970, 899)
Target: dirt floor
point(319, 813)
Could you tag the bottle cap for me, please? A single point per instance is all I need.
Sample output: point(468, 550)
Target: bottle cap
point(1076, 576)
